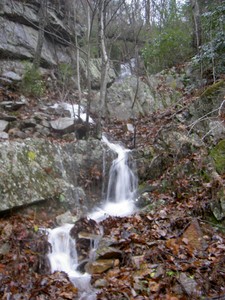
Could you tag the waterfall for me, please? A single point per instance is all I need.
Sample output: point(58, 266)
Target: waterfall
point(122, 181)
point(63, 257)
point(119, 202)
point(127, 69)
point(122, 186)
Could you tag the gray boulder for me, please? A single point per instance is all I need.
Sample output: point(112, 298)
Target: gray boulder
point(126, 99)
point(63, 125)
point(36, 169)
point(4, 125)
point(95, 73)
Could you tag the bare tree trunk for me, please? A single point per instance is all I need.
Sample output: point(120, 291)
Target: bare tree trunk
point(40, 42)
point(88, 65)
point(148, 14)
point(77, 55)
point(104, 69)
point(197, 23)
point(213, 58)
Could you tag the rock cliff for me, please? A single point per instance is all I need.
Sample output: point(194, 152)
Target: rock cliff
point(19, 24)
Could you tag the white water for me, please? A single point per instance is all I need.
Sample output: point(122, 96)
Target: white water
point(126, 69)
point(73, 110)
point(63, 257)
point(122, 186)
point(119, 202)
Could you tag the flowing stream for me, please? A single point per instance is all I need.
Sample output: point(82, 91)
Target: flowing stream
point(122, 186)
point(119, 202)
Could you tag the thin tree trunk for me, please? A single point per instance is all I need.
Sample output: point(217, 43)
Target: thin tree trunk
point(88, 65)
point(40, 42)
point(148, 14)
point(197, 23)
point(104, 69)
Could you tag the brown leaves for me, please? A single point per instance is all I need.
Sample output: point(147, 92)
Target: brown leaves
point(167, 256)
point(24, 269)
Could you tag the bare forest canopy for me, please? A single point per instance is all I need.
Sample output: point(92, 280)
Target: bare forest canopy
point(157, 34)
point(163, 33)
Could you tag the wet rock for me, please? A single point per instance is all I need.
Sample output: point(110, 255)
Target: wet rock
point(4, 135)
point(100, 283)
point(101, 265)
point(4, 125)
point(8, 118)
point(10, 105)
point(63, 125)
point(143, 200)
point(88, 236)
point(84, 231)
point(108, 252)
point(67, 217)
point(11, 75)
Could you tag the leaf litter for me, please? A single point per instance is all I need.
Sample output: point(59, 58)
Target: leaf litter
point(171, 252)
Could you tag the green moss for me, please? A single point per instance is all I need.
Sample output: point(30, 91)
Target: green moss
point(213, 89)
point(218, 155)
point(31, 155)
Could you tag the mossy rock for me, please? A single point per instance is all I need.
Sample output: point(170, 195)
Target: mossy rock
point(218, 155)
point(207, 104)
point(213, 89)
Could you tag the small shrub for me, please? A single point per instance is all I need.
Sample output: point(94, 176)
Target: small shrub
point(65, 72)
point(32, 83)
point(211, 56)
point(167, 49)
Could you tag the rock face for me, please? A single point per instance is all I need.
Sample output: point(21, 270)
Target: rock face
point(126, 99)
point(206, 113)
point(35, 169)
point(19, 34)
point(95, 73)
point(131, 97)
point(19, 22)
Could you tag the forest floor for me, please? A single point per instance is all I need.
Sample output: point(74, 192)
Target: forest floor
point(175, 252)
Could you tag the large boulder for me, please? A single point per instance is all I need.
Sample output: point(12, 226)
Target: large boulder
point(207, 112)
point(127, 98)
point(132, 96)
point(36, 169)
point(95, 73)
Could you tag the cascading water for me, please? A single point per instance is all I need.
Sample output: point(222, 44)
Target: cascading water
point(122, 186)
point(122, 181)
point(63, 257)
point(119, 202)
